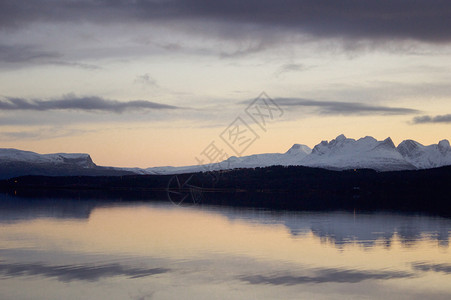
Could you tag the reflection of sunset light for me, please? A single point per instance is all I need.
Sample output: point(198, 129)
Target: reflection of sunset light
point(179, 233)
point(205, 237)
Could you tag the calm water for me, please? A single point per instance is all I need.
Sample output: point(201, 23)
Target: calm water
point(79, 249)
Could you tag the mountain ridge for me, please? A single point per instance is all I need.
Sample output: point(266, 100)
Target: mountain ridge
point(14, 163)
point(341, 153)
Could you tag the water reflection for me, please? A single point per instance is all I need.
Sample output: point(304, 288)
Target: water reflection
point(326, 276)
point(363, 228)
point(338, 228)
point(68, 273)
point(137, 250)
point(442, 268)
point(16, 209)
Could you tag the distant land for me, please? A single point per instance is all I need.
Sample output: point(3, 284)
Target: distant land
point(14, 163)
point(363, 174)
point(277, 187)
point(340, 153)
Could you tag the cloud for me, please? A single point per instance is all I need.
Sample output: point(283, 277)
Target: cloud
point(73, 64)
point(146, 79)
point(68, 273)
point(344, 108)
point(422, 20)
point(432, 119)
point(71, 102)
point(41, 133)
point(26, 54)
point(14, 54)
point(249, 48)
point(326, 276)
point(291, 68)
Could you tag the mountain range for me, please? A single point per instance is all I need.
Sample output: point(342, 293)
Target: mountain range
point(340, 153)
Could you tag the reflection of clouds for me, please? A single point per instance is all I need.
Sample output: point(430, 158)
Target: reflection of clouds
point(325, 276)
point(60, 266)
point(425, 267)
point(75, 272)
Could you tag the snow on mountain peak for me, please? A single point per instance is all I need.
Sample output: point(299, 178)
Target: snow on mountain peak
point(344, 153)
point(79, 159)
point(387, 143)
point(367, 139)
point(325, 147)
point(298, 148)
point(340, 138)
point(367, 152)
point(407, 147)
point(340, 153)
point(13, 155)
point(423, 157)
point(444, 146)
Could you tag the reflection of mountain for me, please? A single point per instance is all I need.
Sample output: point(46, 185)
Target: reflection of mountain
point(13, 209)
point(339, 228)
point(367, 229)
point(60, 204)
point(28, 204)
point(342, 228)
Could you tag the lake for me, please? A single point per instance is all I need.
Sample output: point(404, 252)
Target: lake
point(52, 248)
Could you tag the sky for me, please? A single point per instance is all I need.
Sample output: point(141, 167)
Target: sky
point(153, 83)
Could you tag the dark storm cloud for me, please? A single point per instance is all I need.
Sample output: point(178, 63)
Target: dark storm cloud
point(79, 103)
point(325, 276)
point(68, 273)
point(344, 108)
point(423, 20)
point(432, 119)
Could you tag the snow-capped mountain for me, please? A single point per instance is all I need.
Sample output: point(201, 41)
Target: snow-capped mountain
point(295, 154)
point(365, 153)
point(340, 153)
point(15, 163)
point(292, 157)
point(424, 157)
point(78, 159)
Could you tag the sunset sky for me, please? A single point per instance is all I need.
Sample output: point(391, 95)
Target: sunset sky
point(152, 83)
